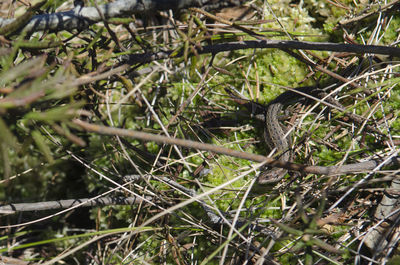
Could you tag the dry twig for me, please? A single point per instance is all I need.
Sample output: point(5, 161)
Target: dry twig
point(331, 170)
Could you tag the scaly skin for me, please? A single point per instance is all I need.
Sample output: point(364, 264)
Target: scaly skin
point(274, 134)
point(274, 138)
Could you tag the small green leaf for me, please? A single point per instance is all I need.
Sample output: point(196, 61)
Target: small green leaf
point(38, 45)
point(21, 70)
point(43, 147)
point(6, 136)
point(65, 112)
point(287, 228)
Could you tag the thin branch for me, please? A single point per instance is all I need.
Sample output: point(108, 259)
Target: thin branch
point(383, 8)
point(63, 204)
point(262, 44)
point(331, 170)
point(14, 261)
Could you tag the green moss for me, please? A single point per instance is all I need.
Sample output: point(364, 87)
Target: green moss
point(329, 27)
point(391, 32)
point(328, 155)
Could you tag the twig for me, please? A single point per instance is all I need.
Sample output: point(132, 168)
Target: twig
point(14, 261)
point(227, 22)
point(344, 22)
point(95, 76)
point(262, 44)
point(63, 204)
point(331, 170)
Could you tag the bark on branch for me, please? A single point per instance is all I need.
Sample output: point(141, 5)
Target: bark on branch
point(262, 44)
point(329, 171)
point(83, 17)
point(63, 204)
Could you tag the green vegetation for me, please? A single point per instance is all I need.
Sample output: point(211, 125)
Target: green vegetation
point(48, 80)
